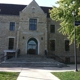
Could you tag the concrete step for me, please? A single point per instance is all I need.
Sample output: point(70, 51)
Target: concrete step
point(28, 64)
point(31, 58)
point(30, 61)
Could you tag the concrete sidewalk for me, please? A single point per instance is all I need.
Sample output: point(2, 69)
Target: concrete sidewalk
point(38, 73)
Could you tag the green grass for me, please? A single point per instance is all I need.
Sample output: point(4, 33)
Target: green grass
point(8, 75)
point(67, 75)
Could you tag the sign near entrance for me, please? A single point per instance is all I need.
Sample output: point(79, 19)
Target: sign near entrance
point(77, 23)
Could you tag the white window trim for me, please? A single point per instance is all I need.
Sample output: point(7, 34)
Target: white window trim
point(11, 37)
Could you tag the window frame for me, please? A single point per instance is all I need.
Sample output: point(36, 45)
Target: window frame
point(11, 47)
point(53, 46)
point(12, 26)
point(52, 28)
point(67, 46)
point(33, 24)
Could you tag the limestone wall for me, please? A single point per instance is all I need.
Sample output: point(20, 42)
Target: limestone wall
point(60, 43)
point(5, 33)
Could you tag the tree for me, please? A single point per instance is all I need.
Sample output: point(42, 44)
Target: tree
point(63, 13)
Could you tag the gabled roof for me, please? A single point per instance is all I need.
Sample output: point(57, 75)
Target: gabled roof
point(13, 9)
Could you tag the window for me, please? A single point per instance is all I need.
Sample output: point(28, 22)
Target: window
point(11, 43)
point(67, 48)
point(32, 24)
point(12, 26)
point(52, 28)
point(52, 45)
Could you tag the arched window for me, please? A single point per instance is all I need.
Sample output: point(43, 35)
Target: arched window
point(32, 46)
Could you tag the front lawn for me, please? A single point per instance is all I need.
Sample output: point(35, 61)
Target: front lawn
point(67, 75)
point(8, 75)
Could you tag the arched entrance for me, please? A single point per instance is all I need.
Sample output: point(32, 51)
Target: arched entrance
point(32, 47)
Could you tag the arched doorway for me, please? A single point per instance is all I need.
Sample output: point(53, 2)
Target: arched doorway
point(32, 47)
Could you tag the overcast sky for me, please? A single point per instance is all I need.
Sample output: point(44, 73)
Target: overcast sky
point(26, 2)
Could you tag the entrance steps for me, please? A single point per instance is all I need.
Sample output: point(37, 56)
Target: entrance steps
point(30, 61)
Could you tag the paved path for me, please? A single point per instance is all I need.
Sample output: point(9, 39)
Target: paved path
point(38, 73)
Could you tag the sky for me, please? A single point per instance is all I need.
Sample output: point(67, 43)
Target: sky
point(48, 3)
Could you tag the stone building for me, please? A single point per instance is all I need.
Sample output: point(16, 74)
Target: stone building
point(30, 29)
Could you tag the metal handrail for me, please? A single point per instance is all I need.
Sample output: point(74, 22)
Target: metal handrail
point(2, 58)
point(55, 57)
